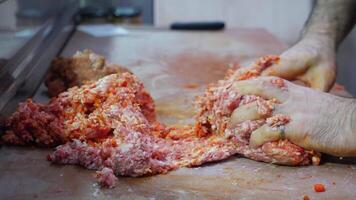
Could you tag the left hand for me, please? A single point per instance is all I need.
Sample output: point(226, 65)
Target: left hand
point(311, 60)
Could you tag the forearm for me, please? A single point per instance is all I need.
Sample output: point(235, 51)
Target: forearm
point(331, 20)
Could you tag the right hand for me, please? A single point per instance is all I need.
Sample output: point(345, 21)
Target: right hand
point(318, 121)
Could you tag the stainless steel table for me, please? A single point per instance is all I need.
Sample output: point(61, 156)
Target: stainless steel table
point(175, 66)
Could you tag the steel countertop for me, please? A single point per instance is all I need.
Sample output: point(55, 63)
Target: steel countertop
point(175, 66)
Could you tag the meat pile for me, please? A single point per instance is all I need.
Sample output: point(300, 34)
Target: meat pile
point(77, 70)
point(221, 99)
point(110, 126)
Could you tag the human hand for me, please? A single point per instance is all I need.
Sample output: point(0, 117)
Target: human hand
point(311, 60)
point(318, 121)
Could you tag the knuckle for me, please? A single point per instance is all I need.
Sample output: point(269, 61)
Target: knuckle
point(278, 83)
point(257, 83)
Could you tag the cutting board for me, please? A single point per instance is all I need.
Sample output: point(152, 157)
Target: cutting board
point(175, 67)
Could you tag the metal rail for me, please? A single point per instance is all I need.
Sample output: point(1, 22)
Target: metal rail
point(23, 74)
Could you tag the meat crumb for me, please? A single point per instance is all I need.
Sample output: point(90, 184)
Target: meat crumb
point(106, 178)
point(319, 187)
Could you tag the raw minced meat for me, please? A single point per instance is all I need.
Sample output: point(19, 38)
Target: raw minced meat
point(110, 126)
point(82, 67)
point(86, 113)
point(106, 177)
point(221, 99)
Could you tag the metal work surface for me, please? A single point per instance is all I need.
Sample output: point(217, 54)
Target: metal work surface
point(175, 66)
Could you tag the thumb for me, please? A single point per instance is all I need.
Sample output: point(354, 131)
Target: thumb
point(290, 66)
point(321, 77)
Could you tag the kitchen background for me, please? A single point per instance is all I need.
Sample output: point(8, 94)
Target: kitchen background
point(283, 18)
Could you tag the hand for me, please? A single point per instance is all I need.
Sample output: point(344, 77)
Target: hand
point(312, 61)
point(318, 121)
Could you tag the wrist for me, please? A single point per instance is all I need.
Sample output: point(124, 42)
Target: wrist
point(320, 31)
point(347, 126)
point(352, 117)
point(320, 41)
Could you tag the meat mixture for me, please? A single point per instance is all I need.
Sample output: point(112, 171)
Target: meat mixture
point(221, 99)
point(84, 66)
point(110, 126)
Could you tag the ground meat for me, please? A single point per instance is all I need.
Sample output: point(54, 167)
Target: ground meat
point(36, 124)
point(221, 99)
point(110, 126)
point(86, 113)
point(84, 66)
point(106, 177)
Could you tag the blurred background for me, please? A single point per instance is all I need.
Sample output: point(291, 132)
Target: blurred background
point(21, 19)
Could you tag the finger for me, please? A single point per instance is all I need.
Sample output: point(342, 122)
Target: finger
point(264, 134)
point(320, 77)
point(249, 111)
point(291, 64)
point(262, 86)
